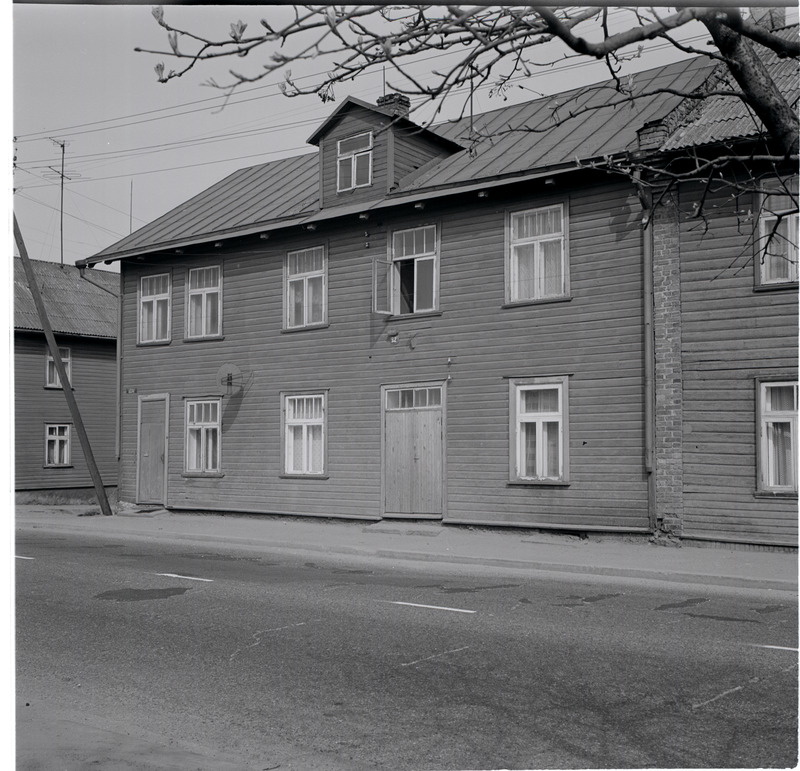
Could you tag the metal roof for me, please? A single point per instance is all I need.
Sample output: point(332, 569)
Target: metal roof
point(599, 122)
point(74, 305)
point(534, 135)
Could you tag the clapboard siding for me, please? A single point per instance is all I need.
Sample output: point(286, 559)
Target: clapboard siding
point(412, 149)
point(94, 386)
point(356, 122)
point(731, 335)
point(473, 346)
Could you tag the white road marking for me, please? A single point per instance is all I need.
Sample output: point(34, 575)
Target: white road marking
point(24, 558)
point(774, 647)
point(188, 578)
point(435, 655)
point(432, 607)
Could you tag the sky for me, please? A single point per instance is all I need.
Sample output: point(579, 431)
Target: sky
point(135, 148)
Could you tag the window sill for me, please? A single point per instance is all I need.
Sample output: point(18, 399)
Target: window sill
point(775, 287)
point(154, 343)
point(779, 494)
point(306, 328)
point(407, 316)
point(303, 476)
point(66, 465)
point(536, 483)
point(544, 301)
point(202, 474)
point(207, 339)
point(57, 388)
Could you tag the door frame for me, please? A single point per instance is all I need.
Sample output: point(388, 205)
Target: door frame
point(153, 398)
point(420, 384)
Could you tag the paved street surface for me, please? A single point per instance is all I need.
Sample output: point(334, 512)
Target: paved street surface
point(156, 653)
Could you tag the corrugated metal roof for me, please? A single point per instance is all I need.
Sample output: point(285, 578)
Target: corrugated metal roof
point(75, 306)
point(721, 118)
point(286, 192)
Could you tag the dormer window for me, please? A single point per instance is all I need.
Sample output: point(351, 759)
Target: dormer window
point(354, 162)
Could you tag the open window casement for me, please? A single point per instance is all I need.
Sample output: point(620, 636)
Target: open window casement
point(382, 284)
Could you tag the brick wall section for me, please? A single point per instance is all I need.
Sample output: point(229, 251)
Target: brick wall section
point(668, 370)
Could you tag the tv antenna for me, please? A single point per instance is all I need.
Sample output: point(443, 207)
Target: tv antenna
point(62, 175)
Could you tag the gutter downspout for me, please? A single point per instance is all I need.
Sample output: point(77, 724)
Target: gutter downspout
point(646, 201)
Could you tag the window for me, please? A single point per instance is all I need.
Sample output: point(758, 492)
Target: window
point(202, 436)
point(413, 398)
point(537, 259)
point(305, 299)
point(51, 378)
point(778, 430)
point(539, 430)
point(154, 309)
point(304, 434)
point(204, 302)
point(354, 162)
point(409, 281)
point(777, 239)
point(57, 444)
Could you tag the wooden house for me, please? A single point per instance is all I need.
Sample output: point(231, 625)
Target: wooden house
point(48, 459)
point(457, 322)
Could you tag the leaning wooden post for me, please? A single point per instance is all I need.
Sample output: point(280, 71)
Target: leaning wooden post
point(62, 373)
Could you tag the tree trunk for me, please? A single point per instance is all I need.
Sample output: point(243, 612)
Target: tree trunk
point(756, 84)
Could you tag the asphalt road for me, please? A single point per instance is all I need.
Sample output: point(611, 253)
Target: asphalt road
point(270, 660)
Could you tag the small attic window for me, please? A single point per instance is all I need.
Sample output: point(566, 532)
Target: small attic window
point(354, 162)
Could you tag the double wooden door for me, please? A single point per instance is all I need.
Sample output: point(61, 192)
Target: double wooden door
point(413, 465)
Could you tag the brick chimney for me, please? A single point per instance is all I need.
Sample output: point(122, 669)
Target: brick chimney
point(652, 135)
point(770, 17)
point(398, 104)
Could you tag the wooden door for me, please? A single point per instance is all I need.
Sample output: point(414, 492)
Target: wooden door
point(152, 456)
point(413, 451)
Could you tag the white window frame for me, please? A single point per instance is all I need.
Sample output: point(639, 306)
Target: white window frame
point(304, 277)
point(767, 417)
point(512, 263)
point(154, 300)
point(352, 158)
point(51, 436)
point(775, 208)
point(291, 422)
point(211, 463)
point(206, 295)
point(51, 378)
point(518, 417)
point(386, 279)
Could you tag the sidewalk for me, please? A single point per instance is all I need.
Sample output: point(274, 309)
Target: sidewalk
point(435, 542)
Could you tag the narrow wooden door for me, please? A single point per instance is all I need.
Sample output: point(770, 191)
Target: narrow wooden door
point(152, 460)
point(413, 444)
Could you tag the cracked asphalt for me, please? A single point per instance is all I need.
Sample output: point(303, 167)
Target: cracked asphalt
point(153, 655)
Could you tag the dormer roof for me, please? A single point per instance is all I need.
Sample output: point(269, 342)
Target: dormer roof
point(351, 102)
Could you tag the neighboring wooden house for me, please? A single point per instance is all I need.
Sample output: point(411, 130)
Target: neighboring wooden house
point(48, 459)
point(414, 323)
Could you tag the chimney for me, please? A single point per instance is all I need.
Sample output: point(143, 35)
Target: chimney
point(772, 18)
point(652, 135)
point(397, 104)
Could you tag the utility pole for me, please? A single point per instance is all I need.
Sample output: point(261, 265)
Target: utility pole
point(102, 499)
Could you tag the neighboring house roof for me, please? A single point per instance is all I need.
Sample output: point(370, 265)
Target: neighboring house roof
point(720, 118)
point(74, 305)
point(600, 122)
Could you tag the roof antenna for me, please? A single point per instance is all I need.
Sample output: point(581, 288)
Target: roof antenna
point(68, 175)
